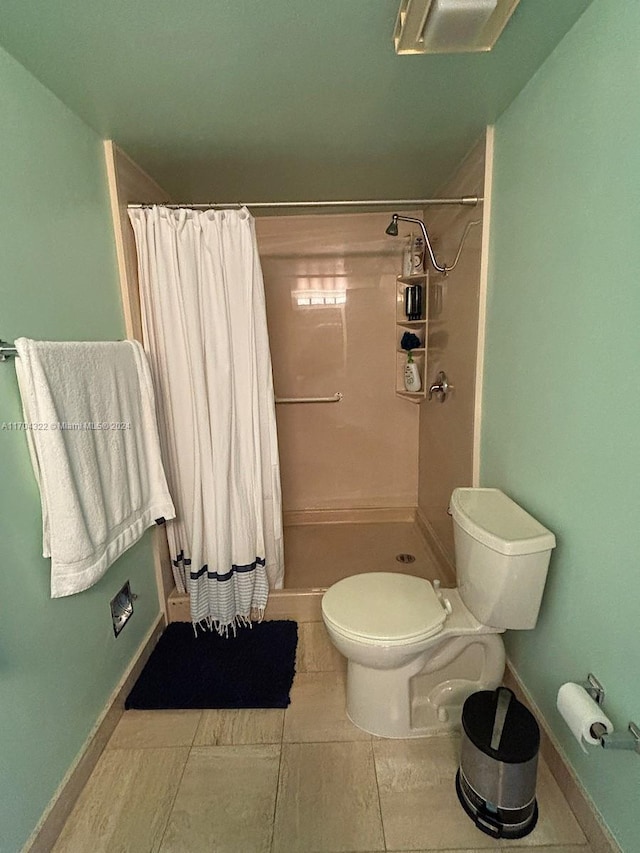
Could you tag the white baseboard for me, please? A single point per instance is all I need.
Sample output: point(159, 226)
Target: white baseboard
point(46, 833)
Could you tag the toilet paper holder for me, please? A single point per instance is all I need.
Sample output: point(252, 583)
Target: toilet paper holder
point(594, 688)
point(618, 740)
point(615, 740)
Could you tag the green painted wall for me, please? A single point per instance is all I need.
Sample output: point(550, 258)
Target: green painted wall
point(59, 660)
point(561, 410)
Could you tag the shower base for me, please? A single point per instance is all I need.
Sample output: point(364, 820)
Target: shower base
point(323, 546)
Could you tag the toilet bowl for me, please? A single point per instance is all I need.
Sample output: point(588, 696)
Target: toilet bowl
point(415, 651)
point(366, 619)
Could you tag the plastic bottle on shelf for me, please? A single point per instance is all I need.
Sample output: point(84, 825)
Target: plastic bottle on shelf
point(417, 256)
point(413, 301)
point(409, 300)
point(407, 257)
point(411, 375)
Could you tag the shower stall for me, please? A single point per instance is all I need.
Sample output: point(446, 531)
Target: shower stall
point(366, 473)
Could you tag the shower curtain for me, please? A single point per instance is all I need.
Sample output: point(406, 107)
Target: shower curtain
point(205, 330)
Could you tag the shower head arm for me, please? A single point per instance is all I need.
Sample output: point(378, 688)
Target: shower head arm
point(443, 269)
point(427, 241)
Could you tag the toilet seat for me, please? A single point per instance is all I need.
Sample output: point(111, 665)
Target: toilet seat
point(384, 607)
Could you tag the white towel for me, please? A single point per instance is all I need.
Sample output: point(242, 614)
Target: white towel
point(91, 427)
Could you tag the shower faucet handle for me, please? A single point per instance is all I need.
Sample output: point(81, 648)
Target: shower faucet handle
point(440, 387)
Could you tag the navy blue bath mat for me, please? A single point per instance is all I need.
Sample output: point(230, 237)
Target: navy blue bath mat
point(254, 669)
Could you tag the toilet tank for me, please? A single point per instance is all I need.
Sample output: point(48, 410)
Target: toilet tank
point(502, 557)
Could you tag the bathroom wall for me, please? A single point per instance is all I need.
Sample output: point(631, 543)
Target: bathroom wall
point(447, 429)
point(59, 660)
point(561, 407)
point(330, 284)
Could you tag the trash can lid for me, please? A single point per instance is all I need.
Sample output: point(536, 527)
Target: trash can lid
point(520, 738)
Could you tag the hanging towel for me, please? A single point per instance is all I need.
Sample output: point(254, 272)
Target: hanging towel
point(91, 426)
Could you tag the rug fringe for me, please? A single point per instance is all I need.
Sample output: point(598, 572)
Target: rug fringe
point(239, 621)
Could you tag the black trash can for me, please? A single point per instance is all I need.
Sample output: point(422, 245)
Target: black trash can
point(496, 781)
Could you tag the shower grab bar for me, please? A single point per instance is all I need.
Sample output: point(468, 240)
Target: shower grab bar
point(335, 399)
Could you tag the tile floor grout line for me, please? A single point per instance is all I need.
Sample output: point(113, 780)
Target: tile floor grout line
point(173, 802)
point(196, 730)
point(333, 740)
point(275, 803)
point(375, 773)
point(144, 748)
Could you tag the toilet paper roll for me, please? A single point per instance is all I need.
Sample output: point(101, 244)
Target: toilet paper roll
point(580, 712)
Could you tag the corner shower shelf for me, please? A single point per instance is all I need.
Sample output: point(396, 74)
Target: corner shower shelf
point(419, 328)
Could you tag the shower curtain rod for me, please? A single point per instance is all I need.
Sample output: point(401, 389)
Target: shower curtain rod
point(467, 200)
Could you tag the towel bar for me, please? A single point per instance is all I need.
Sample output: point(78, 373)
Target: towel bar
point(7, 351)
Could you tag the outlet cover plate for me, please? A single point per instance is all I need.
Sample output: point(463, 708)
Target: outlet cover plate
point(121, 608)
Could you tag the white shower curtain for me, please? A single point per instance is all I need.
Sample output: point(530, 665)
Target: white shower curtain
point(205, 330)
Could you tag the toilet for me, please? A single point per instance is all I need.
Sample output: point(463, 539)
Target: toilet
point(415, 651)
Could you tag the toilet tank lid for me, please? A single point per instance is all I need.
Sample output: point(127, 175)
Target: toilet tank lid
point(496, 521)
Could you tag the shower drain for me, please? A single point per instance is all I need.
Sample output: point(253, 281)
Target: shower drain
point(405, 558)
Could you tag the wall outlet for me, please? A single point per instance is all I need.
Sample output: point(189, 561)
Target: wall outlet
point(122, 608)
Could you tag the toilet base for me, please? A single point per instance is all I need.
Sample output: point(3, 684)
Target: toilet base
point(413, 701)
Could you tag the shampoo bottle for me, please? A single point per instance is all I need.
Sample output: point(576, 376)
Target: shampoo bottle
point(407, 257)
point(411, 374)
point(417, 257)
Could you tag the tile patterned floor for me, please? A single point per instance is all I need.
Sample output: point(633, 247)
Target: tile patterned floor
point(304, 779)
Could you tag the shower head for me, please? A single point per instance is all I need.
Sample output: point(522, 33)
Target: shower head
point(392, 230)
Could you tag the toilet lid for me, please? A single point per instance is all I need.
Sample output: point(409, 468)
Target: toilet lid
point(385, 606)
